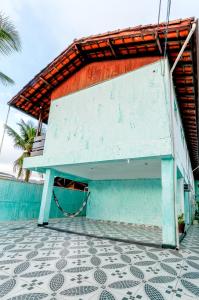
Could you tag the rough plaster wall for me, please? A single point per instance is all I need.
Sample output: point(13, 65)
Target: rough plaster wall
point(134, 201)
point(197, 190)
point(21, 201)
point(184, 165)
point(181, 150)
point(113, 120)
point(180, 196)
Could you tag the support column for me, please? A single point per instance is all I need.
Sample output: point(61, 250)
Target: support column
point(180, 195)
point(168, 203)
point(46, 198)
point(186, 210)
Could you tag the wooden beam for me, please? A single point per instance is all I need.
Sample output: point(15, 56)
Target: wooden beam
point(189, 127)
point(24, 98)
point(81, 52)
point(191, 132)
point(111, 47)
point(188, 105)
point(158, 43)
point(189, 112)
point(46, 82)
point(45, 108)
point(191, 118)
point(39, 127)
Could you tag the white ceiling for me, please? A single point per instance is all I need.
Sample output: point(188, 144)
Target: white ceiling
point(123, 169)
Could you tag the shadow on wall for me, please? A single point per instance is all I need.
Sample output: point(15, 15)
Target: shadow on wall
point(21, 201)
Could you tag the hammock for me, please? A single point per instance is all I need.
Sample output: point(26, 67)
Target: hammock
point(72, 215)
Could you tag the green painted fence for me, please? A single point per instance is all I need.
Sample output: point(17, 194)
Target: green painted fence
point(21, 201)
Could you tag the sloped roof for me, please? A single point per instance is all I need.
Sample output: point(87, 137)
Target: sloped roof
point(138, 41)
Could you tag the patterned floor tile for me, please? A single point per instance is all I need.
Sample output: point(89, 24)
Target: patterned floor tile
point(39, 263)
point(147, 234)
point(11, 286)
point(188, 284)
point(36, 294)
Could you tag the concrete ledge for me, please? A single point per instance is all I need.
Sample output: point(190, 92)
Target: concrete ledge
point(43, 224)
point(167, 246)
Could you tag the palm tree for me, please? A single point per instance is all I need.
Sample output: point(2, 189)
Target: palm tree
point(9, 42)
point(24, 141)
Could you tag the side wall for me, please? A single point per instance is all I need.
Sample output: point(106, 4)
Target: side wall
point(185, 200)
point(134, 201)
point(181, 150)
point(21, 201)
point(197, 194)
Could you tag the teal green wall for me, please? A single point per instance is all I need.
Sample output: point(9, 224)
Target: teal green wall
point(168, 202)
point(127, 117)
point(21, 201)
point(197, 190)
point(181, 151)
point(180, 196)
point(117, 120)
point(134, 201)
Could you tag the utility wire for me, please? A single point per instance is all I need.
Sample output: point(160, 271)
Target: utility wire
point(4, 129)
point(166, 31)
point(156, 35)
point(159, 12)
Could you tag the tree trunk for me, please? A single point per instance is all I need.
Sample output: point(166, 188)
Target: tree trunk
point(27, 175)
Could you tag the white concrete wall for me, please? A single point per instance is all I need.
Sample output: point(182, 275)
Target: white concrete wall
point(125, 117)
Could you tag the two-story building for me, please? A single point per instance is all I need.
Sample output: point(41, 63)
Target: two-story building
point(122, 115)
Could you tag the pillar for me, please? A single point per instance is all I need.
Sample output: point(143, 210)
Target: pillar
point(187, 210)
point(168, 203)
point(180, 195)
point(46, 198)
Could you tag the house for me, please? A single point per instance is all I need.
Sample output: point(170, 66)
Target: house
point(122, 115)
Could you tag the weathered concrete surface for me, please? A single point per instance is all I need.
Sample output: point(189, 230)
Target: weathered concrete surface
point(169, 237)
point(133, 201)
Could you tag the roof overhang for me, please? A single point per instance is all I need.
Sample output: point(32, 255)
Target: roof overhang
point(138, 41)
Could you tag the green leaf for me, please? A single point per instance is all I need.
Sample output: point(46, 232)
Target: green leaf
point(5, 80)
point(9, 37)
point(24, 141)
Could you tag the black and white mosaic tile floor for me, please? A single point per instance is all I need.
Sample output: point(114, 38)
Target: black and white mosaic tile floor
point(39, 263)
point(123, 231)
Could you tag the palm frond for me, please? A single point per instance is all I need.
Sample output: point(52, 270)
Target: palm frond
point(28, 133)
point(23, 140)
point(27, 130)
point(23, 129)
point(9, 37)
point(5, 80)
point(18, 141)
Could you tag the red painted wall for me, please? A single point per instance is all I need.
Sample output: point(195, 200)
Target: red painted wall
point(97, 72)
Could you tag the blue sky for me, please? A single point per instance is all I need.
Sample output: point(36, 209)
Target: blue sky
point(47, 27)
